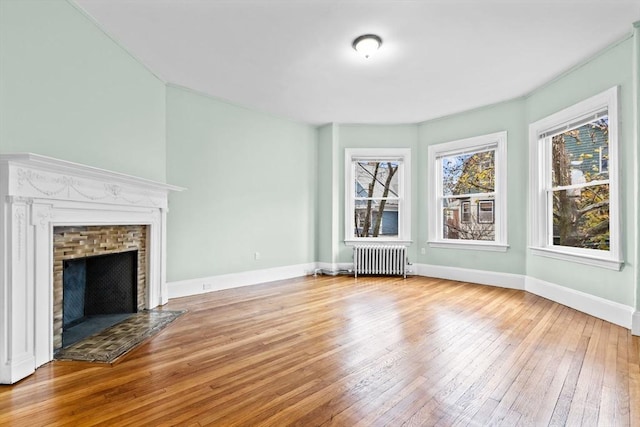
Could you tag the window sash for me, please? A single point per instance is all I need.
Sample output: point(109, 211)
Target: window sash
point(551, 231)
point(356, 159)
point(483, 148)
point(466, 215)
point(579, 186)
point(439, 162)
point(574, 124)
point(402, 158)
point(377, 198)
point(471, 195)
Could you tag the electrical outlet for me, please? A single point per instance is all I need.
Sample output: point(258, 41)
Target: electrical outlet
point(207, 286)
point(256, 256)
point(423, 251)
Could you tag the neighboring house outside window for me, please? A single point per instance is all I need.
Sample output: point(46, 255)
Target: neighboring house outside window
point(377, 206)
point(485, 211)
point(574, 185)
point(465, 213)
point(603, 157)
point(467, 193)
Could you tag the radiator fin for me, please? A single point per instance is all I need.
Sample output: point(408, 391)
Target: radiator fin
point(380, 260)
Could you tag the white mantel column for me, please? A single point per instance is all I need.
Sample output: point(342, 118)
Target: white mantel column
point(41, 216)
point(17, 358)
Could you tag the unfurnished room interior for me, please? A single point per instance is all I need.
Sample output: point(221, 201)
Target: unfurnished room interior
point(320, 212)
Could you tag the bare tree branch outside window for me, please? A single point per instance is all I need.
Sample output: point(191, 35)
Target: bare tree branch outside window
point(376, 207)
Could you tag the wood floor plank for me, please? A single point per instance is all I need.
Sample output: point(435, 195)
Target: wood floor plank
point(633, 349)
point(336, 351)
point(568, 329)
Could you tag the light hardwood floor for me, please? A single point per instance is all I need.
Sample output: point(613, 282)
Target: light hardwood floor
point(337, 351)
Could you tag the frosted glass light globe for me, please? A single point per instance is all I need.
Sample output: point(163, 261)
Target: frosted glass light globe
point(367, 44)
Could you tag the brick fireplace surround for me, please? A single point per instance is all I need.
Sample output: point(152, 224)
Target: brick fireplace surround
point(40, 194)
point(81, 242)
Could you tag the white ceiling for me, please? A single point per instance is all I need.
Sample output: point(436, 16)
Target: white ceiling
point(293, 58)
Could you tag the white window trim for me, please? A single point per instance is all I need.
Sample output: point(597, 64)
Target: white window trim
point(404, 187)
point(434, 189)
point(539, 242)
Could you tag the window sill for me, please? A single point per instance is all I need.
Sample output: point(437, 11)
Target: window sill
point(594, 261)
point(470, 245)
point(377, 240)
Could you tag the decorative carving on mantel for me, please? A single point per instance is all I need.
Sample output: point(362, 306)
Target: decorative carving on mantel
point(19, 199)
point(31, 177)
point(56, 186)
point(19, 217)
point(42, 215)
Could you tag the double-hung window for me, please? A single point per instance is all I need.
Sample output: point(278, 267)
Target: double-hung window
point(574, 184)
point(467, 193)
point(377, 205)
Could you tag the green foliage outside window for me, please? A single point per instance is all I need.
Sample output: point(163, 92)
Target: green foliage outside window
point(580, 186)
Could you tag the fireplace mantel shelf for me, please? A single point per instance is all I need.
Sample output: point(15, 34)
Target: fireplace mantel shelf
point(44, 177)
point(39, 193)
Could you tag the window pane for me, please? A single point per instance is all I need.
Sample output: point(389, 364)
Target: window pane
point(604, 159)
point(461, 221)
point(376, 218)
point(581, 217)
point(465, 211)
point(581, 155)
point(376, 179)
point(468, 173)
point(485, 212)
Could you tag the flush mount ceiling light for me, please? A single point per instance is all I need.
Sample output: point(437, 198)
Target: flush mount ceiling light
point(367, 44)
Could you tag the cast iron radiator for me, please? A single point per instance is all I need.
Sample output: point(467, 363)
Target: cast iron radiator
point(380, 260)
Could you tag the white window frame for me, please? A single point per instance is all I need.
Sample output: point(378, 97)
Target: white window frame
point(434, 188)
point(541, 224)
point(403, 156)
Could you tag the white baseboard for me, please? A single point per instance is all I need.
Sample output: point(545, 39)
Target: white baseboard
point(503, 280)
point(18, 369)
point(616, 313)
point(189, 287)
point(635, 324)
point(601, 308)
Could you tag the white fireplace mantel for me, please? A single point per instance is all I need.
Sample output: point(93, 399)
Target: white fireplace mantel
point(38, 193)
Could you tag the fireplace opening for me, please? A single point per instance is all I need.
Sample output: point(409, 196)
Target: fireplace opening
point(98, 292)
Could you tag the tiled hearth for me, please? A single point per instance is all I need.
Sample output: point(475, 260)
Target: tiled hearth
point(113, 342)
point(40, 194)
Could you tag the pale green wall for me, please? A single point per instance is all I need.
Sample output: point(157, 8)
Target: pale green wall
point(509, 117)
point(327, 206)
point(376, 136)
point(610, 68)
point(69, 91)
point(251, 181)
